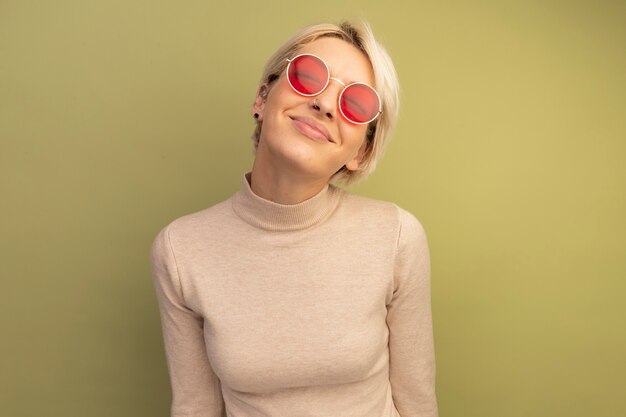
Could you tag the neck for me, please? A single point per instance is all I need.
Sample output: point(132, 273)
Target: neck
point(283, 186)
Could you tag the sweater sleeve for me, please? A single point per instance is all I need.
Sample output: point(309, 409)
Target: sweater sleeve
point(196, 390)
point(409, 318)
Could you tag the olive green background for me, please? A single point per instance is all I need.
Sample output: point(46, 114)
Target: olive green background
point(118, 116)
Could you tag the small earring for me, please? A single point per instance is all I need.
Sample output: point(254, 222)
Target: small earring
point(256, 115)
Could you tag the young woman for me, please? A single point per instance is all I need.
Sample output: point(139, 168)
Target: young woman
point(294, 297)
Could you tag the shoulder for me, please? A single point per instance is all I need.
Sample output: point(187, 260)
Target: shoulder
point(370, 209)
point(382, 211)
point(409, 224)
point(184, 230)
point(411, 234)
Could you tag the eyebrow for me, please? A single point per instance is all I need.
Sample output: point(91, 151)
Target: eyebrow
point(345, 83)
point(306, 75)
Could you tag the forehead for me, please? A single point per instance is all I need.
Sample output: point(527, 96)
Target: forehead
point(344, 60)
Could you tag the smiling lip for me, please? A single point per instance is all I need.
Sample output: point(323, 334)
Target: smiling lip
point(311, 129)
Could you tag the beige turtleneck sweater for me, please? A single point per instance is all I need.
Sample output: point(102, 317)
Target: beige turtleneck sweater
point(320, 308)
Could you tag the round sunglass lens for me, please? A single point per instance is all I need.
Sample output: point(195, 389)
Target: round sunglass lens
point(359, 103)
point(308, 74)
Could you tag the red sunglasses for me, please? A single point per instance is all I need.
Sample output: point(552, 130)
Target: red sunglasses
point(308, 75)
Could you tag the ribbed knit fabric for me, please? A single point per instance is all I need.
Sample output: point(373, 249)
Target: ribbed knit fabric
point(317, 309)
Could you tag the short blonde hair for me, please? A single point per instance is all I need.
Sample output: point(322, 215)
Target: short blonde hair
point(361, 36)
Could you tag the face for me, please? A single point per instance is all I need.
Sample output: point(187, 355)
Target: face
point(287, 139)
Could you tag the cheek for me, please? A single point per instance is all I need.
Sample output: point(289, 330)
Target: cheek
point(352, 134)
point(281, 101)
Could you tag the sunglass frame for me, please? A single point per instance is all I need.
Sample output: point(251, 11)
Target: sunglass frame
point(345, 87)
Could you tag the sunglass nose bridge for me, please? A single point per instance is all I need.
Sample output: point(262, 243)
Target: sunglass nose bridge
point(338, 80)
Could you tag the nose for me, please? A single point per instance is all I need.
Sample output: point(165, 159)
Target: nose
point(325, 103)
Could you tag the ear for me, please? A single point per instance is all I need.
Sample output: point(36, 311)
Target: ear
point(259, 101)
point(354, 163)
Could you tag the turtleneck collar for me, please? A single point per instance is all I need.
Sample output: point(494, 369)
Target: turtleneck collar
point(268, 215)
